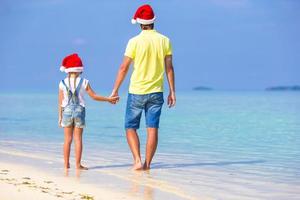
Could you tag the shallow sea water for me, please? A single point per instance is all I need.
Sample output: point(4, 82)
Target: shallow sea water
point(213, 145)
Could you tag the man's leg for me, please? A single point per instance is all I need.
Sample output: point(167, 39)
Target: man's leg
point(152, 113)
point(133, 115)
point(152, 140)
point(134, 144)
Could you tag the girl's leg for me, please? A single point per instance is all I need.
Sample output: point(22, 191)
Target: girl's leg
point(67, 145)
point(78, 147)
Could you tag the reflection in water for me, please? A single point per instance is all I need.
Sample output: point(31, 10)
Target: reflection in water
point(78, 173)
point(148, 193)
point(139, 186)
point(66, 172)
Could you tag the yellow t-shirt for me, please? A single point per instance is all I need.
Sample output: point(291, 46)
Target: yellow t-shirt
point(148, 51)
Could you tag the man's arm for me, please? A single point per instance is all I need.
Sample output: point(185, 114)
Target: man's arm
point(124, 67)
point(171, 80)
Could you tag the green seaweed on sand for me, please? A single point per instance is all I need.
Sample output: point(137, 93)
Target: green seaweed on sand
point(4, 170)
point(86, 197)
point(26, 178)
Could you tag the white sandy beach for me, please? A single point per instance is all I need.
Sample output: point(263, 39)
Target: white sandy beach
point(24, 182)
point(24, 176)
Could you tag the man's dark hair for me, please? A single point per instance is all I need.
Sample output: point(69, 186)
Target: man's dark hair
point(147, 27)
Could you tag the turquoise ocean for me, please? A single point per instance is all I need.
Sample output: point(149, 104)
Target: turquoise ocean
point(212, 145)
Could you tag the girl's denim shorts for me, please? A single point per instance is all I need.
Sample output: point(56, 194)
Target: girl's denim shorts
point(73, 116)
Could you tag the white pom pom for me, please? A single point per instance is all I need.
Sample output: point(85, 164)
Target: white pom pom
point(133, 21)
point(62, 69)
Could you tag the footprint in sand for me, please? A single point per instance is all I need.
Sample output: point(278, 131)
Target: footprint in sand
point(59, 196)
point(44, 188)
point(26, 183)
point(32, 186)
point(4, 172)
point(10, 179)
point(48, 182)
point(67, 192)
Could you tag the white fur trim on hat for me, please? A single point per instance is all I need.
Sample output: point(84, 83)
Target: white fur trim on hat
point(74, 69)
point(143, 21)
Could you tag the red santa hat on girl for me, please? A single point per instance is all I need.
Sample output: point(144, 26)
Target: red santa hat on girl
point(71, 63)
point(144, 15)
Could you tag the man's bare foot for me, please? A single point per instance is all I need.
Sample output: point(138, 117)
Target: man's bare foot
point(137, 166)
point(81, 167)
point(146, 167)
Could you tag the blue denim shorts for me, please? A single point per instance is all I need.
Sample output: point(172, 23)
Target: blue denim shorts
point(150, 103)
point(73, 115)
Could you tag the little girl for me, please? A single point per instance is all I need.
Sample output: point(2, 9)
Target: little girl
point(71, 106)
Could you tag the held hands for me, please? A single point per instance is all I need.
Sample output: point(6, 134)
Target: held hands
point(171, 99)
point(114, 97)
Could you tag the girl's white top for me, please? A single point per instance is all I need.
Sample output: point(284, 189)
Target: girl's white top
point(72, 88)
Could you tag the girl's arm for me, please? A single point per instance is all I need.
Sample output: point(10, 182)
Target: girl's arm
point(60, 97)
point(96, 97)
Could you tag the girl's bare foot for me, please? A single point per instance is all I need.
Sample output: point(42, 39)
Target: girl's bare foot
point(67, 166)
point(81, 167)
point(137, 166)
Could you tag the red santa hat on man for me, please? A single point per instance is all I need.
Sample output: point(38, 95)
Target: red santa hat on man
point(144, 15)
point(71, 63)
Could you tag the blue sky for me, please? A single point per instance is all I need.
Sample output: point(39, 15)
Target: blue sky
point(224, 44)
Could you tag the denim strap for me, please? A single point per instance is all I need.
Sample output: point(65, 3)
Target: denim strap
point(79, 86)
point(63, 82)
point(73, 97)
point(69, 92)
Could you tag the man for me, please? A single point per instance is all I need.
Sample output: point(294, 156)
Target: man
point(151, 53)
